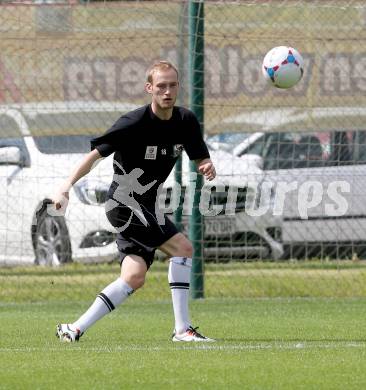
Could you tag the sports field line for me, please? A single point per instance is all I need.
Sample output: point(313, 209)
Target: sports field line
point(209, 347)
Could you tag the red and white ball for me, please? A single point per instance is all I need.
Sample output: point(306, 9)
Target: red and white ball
point(283, 67)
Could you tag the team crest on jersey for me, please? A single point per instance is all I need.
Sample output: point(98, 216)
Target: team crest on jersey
point(177, 150)
point(151, 152)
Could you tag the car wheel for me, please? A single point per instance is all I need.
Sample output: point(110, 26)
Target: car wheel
point(51, 241)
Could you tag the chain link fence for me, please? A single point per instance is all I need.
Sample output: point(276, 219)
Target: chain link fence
point(296, 158)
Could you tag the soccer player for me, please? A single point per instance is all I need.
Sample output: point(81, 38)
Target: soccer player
point(146, 143)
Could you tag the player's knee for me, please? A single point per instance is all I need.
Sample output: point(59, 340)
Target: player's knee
point(135, 280)
point(186, 249)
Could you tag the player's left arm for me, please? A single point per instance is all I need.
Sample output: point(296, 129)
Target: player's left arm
point(206, 168)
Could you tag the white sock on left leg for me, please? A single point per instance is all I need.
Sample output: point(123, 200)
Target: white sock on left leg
point(179, 276)
point(107, 300)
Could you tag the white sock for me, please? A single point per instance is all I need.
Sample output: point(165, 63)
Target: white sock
point(179, 277)
point(112, 296)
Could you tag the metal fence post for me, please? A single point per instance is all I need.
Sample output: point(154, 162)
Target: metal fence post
point(196, 73)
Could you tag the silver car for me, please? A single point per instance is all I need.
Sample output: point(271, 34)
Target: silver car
point(315, 162)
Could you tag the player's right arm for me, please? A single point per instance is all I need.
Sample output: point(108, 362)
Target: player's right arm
point(84, 167)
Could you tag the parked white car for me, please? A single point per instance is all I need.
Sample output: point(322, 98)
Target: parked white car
point(41, 143)
point(315, 161)
point(31, 169)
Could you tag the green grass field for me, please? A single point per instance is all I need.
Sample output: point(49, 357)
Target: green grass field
point(262, 343)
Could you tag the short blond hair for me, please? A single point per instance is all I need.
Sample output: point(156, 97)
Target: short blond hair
point(160, 65)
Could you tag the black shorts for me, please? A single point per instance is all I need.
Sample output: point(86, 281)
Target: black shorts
point(134, 238)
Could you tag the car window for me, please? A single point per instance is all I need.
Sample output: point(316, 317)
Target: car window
point(340, 149)
point(307, 150)
point(19, 143)
point(358, 139)
point(226, 141)
point(66, 123)
point(257, 147)
point(59, 144)
point(8, 127)
point(279, 151)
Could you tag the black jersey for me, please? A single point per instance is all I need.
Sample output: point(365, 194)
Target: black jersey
point(139, 139)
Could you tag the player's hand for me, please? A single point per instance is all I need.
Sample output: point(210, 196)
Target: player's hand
point(207, 169)
point(60, 200)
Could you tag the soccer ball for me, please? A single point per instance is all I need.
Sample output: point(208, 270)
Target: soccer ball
point(283, 67)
